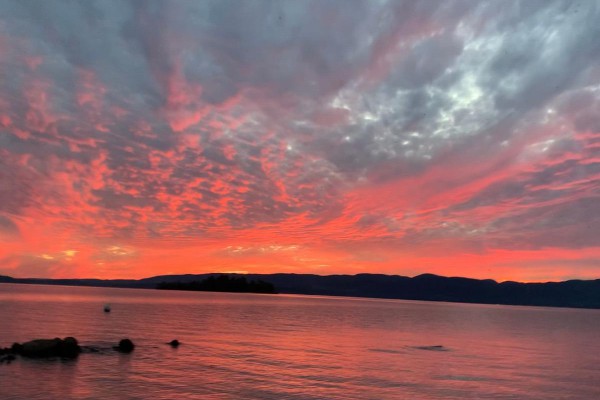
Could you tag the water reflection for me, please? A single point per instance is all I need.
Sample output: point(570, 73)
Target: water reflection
point(273, 346)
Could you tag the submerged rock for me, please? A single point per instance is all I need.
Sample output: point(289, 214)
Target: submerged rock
point(125, 346)
point(8, 358)
point(90, 349)
point(438, 347)
point(63, 348)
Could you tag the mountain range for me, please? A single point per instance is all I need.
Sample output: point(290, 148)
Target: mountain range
point(572, 293)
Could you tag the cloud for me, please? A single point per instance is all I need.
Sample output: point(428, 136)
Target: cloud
point(8, 229)
point(334, 124)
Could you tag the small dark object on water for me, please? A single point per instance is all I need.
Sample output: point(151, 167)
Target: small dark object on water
point(174, 343)
point(125, 346)
point(106, 308)
point(438, 347)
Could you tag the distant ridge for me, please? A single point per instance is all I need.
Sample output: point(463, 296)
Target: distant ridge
point(573, 293)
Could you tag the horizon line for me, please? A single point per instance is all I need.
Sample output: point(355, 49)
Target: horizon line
point(299, 273)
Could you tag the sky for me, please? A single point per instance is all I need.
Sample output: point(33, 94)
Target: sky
point(140, 138)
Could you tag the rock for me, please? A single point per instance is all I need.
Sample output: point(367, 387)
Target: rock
point(174, 343)
point(7, 358)
point(16, 348)
point(69, 347)
point(125, 346)
point(39, 348)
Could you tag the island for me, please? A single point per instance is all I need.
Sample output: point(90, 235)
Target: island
point(221, 283)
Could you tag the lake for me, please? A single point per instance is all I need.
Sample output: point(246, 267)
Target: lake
point(252, 346)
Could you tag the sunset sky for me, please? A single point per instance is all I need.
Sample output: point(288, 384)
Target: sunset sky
point(140, 138)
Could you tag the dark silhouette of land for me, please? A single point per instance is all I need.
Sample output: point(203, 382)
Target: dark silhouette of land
point(221, 283)
point(573, 293)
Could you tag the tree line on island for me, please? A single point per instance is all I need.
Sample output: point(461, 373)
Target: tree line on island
point(221, 283)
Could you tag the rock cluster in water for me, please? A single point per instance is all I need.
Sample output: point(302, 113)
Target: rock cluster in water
point(41, 348)
point(67, 348)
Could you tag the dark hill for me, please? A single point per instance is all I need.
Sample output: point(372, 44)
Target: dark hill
point(574, 293)
point(221, 283)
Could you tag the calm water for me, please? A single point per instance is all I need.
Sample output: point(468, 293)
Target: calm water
point(244, 346)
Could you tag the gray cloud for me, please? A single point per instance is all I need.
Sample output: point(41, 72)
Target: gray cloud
point(8, 227)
